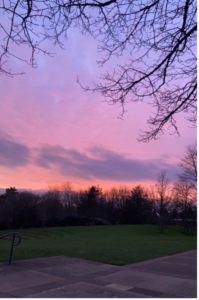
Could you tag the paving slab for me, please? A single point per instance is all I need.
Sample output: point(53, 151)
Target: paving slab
point(167, 268)
point(181, 260)
point(148, 293)
point(31, 264)
point(66, 277)
point(84, 290)
point(5, 295)
point(191, 253)
point(78, 268)
point(10, 282)
point(167, 285)
point(25, 292)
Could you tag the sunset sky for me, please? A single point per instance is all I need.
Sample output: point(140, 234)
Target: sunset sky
point(51, 131)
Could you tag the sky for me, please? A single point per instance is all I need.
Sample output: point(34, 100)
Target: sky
point(52, 131)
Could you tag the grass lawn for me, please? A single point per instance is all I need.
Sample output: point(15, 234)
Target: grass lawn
point(117, 244)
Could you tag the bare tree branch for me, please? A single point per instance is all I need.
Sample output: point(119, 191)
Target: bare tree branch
point(189, 166)
point(157, 38)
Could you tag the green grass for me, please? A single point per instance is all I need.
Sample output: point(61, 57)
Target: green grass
point(117, 244)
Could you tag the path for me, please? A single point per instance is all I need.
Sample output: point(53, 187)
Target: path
point(56, 277)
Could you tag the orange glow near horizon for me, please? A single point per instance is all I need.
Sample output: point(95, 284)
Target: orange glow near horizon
point(51, 182)
point(35, 178)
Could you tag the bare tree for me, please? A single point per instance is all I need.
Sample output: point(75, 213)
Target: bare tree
point(156, 37)
point(162, 187)
point(189, 165)
point(185, 195)
point(183, 191)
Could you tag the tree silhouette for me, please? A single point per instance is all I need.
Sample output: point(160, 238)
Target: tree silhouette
point(162, 187)
point(183, 191)
point(89, 202)
point(156, 37)
point(138, 209)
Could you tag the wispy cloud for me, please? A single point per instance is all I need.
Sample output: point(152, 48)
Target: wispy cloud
point(13, 154)
point(97, 163)
point(100, 163)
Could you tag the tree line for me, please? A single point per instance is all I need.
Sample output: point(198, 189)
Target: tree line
point(23, 209)
point(163, 203)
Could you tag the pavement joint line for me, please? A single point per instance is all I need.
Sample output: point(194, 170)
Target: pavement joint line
point(162, 273)
point(149, 292)
point(48, 290)
point(118, 286)
point(157, 259)
point(175, 263)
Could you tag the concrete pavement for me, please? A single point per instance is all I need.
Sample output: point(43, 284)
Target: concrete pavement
point(63, 277)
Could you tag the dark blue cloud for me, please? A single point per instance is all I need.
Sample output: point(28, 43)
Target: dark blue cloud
point(96, 163)
point(100, 163)
point(13, 154)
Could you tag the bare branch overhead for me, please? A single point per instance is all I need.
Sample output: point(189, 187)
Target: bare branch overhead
point(157, 38)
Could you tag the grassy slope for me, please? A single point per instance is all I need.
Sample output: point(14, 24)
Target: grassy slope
point(119, 245)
